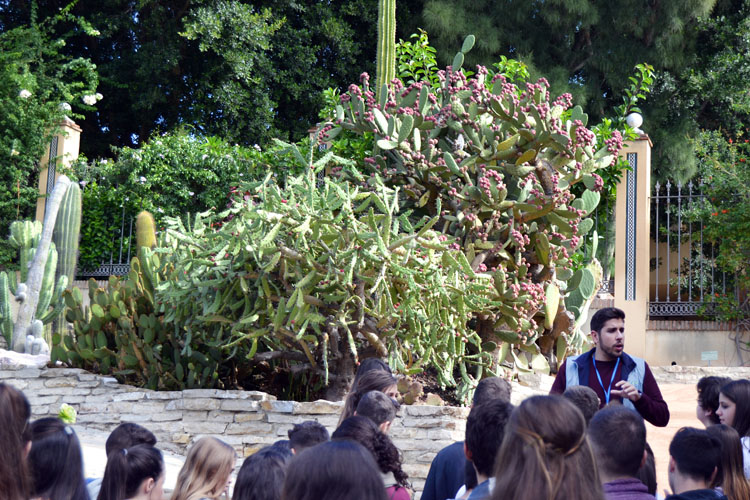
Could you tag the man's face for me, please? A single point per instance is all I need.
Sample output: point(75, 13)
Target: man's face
point(610, 339)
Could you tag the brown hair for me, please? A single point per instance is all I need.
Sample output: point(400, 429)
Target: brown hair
point(731, 476)
point(206, 471)
point(545, 454)
point(14, 435)
point(373, 380)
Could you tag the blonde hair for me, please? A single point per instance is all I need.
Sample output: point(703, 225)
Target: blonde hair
point(206, 471)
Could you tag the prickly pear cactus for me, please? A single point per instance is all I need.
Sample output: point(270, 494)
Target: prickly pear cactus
point(495, 164)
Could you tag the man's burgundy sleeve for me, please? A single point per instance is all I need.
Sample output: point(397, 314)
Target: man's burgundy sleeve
point(558, 387)
point(652, 406)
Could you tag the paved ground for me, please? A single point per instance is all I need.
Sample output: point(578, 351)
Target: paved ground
point(682, 402)
point(95, 458)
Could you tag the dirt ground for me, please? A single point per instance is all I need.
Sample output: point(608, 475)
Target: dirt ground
point(681, 399)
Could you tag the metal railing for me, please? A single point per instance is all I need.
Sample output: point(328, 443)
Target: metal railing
point(686, 278)
point(119, 255)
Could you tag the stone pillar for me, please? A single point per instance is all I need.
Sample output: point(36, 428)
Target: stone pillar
point(61, 151)
point(632, 239)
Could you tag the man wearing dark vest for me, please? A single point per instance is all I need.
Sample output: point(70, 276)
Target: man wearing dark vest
point(612, 374)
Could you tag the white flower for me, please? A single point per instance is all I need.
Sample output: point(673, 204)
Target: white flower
point(24, 94)
point(160, 210)
point(14, 152)
point(95, 33)
point(83, 184)
point(204, 157)
point(64, 106)
point(142, 180)
point(256, 147)
point(191, 193)
point(98, 96)
point(104, 161)
point(89, 99)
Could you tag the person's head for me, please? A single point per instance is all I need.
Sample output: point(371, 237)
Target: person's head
point(14, 436)
point(484, 433)
point(127, 435)
point(261, 476)
point(647, 472)
point(379, 408)
point(585, 399)
point(708, 399)
point(370, 364)
point(365, 432)
point(734, 406)
point(545, 453)
point(55, 461)
point(694, 456)
point(336, 470)
point(618, 439)
point(373, 380)
point(608, 332)
point(491, 388)
point(731, 475)
point(306, 434)
point(206, 471)
point(283, 445)
point(136, 472)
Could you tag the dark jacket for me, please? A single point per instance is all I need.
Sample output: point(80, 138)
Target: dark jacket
point(698, 495)
point(626, 489)
point(446, 474)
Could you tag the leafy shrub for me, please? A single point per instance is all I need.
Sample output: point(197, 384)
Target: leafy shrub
point(172, 175)
point(35, 80)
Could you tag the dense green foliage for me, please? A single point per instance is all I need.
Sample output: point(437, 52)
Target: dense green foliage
point(35, 79)
point(450, 248)
point(170, 175)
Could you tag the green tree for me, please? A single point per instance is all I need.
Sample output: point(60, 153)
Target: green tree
point(588, 48)
point(246, 71)
point(38, 87)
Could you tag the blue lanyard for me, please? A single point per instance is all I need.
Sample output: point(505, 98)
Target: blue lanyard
point(609, 389)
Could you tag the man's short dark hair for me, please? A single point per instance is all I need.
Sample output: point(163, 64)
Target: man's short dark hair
point(708, 394)
point(377, 407)
point(603, 315)
point(306, 435)
point(696, 453)
point(485, 429)
point(618, 437)
point(126, 435)
point(491, 388)
point(585, 399)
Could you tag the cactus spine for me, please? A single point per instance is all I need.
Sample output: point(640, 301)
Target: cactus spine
point(145, 230)
point(35, 277)
point(386, 56)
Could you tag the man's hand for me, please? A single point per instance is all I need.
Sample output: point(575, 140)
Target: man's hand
point(626, 390)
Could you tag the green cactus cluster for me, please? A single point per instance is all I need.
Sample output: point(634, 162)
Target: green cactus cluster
point(495, 164)
point(24, 238)
point(122, 333)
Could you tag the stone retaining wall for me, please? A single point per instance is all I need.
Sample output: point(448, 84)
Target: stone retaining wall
point(247, 420)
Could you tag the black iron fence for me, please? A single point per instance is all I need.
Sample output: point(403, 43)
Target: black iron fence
point(120, 249)
point(685, 280)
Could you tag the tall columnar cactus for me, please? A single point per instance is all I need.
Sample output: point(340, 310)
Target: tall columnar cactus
point(145, 230)
point(386, 57)
point(67, 231)
point(28, 292)
point(65, 238)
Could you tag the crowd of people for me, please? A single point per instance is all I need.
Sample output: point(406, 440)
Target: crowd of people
point(589, 443)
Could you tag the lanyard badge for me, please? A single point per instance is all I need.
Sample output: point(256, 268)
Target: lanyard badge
point(608, 389)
